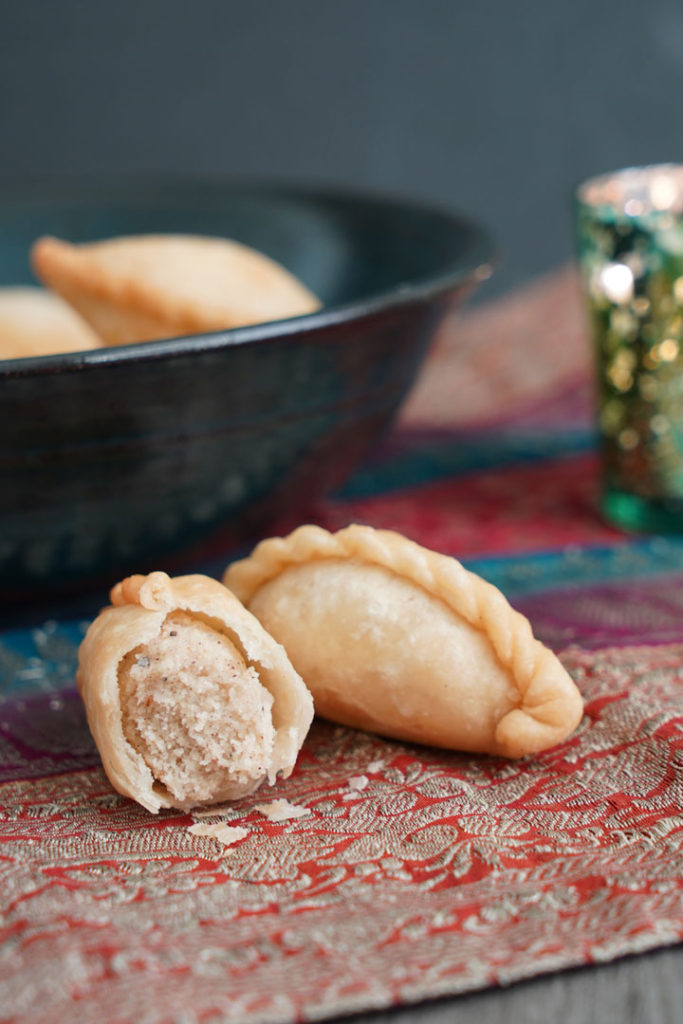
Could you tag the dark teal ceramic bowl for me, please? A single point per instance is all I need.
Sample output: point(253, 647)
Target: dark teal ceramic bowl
point(162, 454)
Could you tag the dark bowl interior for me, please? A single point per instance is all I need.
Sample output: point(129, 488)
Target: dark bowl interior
point(164, 454)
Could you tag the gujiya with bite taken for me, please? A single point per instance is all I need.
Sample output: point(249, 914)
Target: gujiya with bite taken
point(190, 701)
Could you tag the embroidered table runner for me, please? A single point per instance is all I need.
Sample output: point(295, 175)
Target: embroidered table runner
point(413, 873)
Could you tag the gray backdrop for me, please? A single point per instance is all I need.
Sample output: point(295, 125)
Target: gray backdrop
point(495, 108)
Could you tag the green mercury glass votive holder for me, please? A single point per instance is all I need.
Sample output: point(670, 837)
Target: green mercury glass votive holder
point(630, 244)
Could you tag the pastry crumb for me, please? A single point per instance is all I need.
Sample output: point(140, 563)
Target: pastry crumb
point(212, 811)
point(225, 834)
point(356, 783)
point(282, 810)
point(377, 766)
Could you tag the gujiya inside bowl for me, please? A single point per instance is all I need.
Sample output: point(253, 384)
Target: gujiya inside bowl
point(169, 452)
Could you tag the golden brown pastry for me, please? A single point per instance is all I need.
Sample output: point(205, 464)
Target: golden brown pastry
point(189, 700)
point(33, 322)
point(402, 641)
point(144, 287)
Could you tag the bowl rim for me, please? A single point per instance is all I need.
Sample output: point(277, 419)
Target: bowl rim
point(473, 266)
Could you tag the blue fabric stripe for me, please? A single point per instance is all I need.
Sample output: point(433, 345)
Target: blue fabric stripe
point(573, 566)
point(459, 454)
point(43, 659)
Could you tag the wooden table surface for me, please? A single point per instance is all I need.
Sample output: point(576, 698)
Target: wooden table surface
point(645, 989)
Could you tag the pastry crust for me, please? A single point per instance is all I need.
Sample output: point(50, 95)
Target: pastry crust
point(406, 642)
point(140, 605)
point(145, 287)
point(33, 322)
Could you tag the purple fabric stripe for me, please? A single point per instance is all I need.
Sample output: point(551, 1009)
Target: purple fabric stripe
point(44, 735)
point(619, 614)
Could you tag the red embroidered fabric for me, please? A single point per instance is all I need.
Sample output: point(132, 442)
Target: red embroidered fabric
point(415, 873)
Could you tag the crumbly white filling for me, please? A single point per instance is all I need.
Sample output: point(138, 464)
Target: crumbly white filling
point(196, 712)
